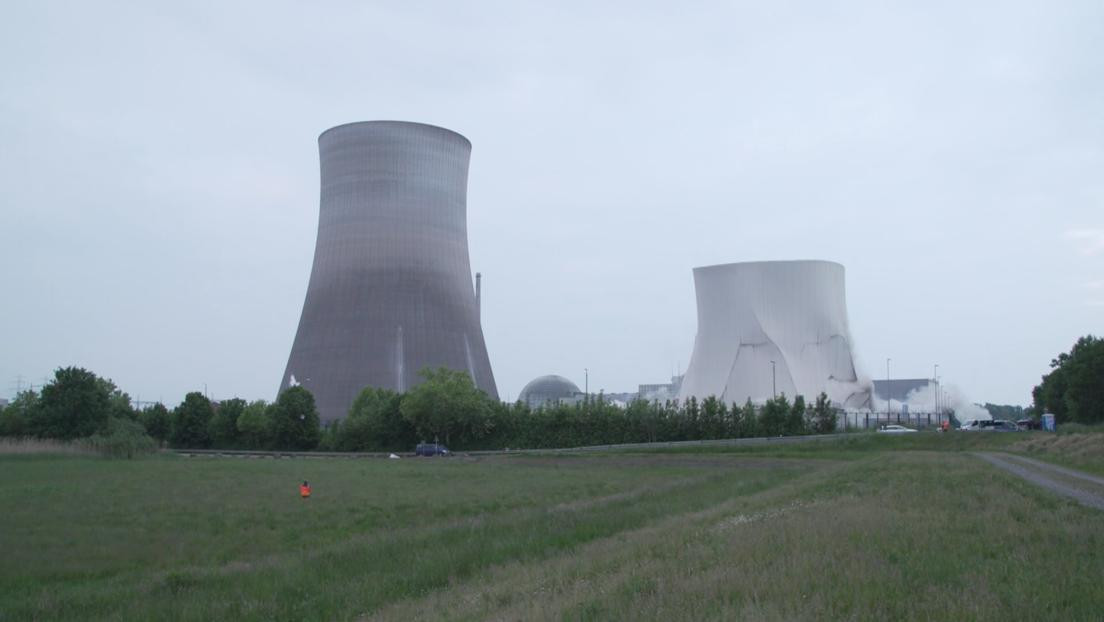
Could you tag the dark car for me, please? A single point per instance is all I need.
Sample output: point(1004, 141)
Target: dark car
point(431, 449)
point(1029, 424)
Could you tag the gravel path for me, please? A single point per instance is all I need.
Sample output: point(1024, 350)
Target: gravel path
point(1047, 476)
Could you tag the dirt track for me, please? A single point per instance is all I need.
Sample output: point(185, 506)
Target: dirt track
point(1084, 488)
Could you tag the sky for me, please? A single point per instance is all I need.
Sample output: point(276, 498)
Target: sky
point(159, 177)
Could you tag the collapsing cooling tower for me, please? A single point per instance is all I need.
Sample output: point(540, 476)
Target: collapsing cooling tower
point(790, 312)
point(390, 290)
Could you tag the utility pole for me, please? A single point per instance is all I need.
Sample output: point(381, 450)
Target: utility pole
point(586, 383)
point(774, 382)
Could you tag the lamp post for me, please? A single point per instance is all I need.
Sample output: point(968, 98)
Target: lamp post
point(935, 394)
point(774, 383)
point(889, 391)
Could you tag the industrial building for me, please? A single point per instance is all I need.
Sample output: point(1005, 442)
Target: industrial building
point(390, 290)
point(772, 327)
point(661, 392)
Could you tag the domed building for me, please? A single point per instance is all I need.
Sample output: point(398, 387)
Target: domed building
point(548, 390)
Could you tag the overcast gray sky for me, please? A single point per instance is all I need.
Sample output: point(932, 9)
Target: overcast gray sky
point(159, 176)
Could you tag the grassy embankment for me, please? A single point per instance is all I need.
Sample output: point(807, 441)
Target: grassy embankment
point(856, 529)
point(1082, 447)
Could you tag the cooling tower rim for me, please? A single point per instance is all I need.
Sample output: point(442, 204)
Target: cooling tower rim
point(741, 265)
point(399, 123)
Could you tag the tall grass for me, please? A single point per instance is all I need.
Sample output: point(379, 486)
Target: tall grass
point(890, 538)
point(43, 446)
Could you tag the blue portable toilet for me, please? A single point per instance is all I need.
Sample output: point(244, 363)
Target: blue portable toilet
point(1048, 422)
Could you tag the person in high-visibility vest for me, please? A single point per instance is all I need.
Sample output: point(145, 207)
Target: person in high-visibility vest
point(304, 490)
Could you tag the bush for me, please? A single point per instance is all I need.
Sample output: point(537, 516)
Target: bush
point(122, 438)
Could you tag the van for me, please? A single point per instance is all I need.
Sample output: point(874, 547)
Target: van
point(431, 449)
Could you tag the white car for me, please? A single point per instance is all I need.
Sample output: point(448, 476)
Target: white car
point(894, 429)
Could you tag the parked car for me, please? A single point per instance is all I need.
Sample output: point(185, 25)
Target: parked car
point(1029, 424)
point(431, 449)
point(988, 425)
point(895, 429)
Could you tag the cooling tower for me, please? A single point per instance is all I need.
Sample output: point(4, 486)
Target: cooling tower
point(790, 312)
point(390, 290)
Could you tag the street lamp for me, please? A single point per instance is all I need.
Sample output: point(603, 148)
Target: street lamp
point(774, 383)
point(889, 391)
point(935, 394)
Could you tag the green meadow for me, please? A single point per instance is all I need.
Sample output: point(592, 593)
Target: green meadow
point(865, 528)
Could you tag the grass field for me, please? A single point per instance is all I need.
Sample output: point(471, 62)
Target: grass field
point(868, 528)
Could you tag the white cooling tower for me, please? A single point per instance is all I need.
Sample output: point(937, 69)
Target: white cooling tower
point(790, 312)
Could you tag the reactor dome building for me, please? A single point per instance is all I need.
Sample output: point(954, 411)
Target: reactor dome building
point(550, 389)
point(390, 290)
point(772, 327)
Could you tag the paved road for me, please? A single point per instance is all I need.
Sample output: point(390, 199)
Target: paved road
point(1084, 488)
point(763, 440)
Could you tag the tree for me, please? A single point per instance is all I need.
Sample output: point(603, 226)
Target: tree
point(74, 405)
point(1074, 389)
point(16, 416)
point(294, 417)
point(446, 405)
point(748, 425)
point(223, 427)
point(772, 420)
point(795, 421)
point(824, 416)
point(189, 422)
point(374, 423)
point(157, 422)
point(254, 425)
point(119, 401)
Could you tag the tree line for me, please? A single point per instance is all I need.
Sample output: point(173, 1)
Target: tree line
point(77, 405)
point(446, 407)
point(1074, 389)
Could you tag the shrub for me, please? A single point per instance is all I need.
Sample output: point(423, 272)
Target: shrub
point(122, 438)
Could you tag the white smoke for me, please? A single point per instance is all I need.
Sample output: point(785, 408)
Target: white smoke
point(923, 400)
point(965, 409)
